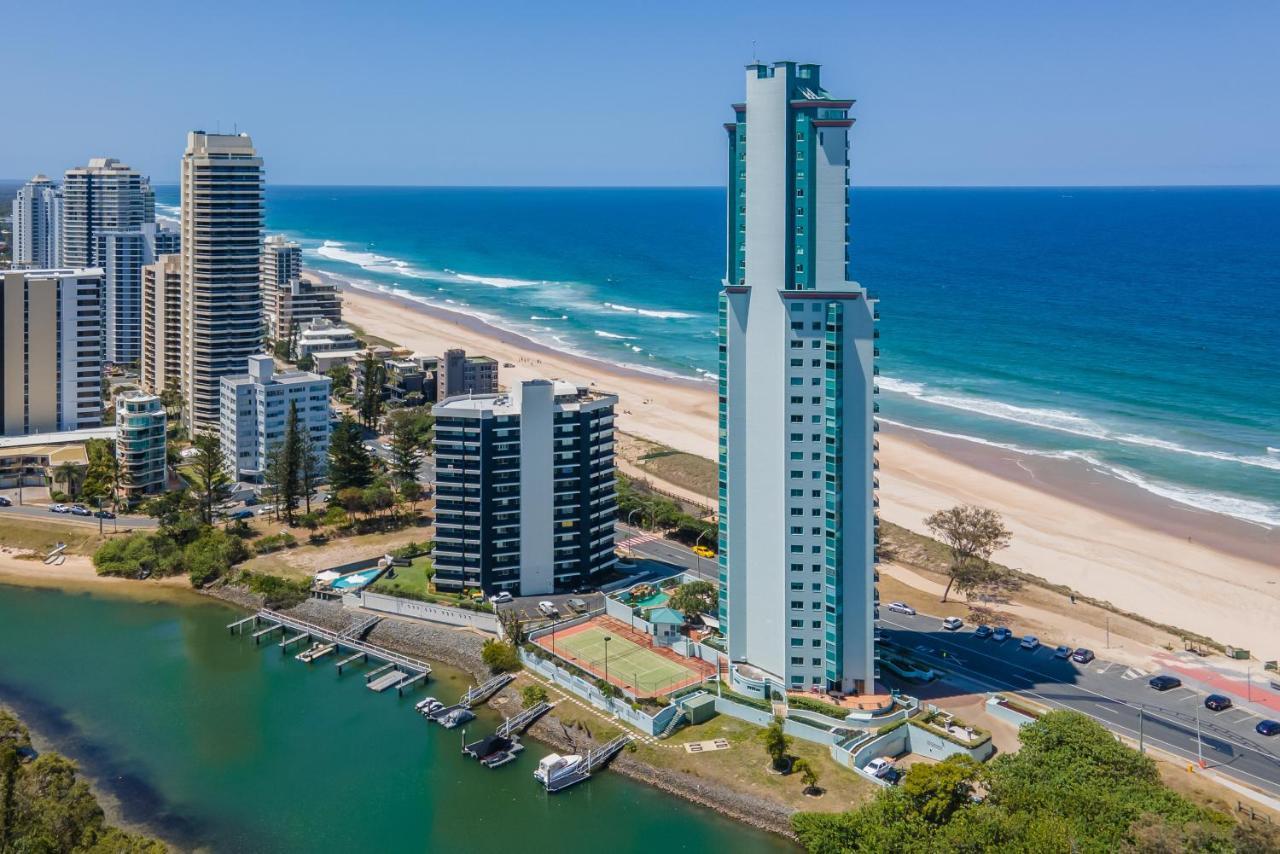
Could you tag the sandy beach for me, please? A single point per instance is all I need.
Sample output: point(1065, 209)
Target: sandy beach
point(1202, 572)
point(77, 573)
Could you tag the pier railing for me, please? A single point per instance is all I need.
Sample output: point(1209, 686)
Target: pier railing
point(348, 642)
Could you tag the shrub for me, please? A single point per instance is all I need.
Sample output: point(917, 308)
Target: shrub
point(211, 554)
point(276, 592)
point(532, 695)
point(334, 515)
point(499, 656)
point(275, 542)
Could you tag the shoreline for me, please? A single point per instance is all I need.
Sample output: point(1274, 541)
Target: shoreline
point(1215, 576)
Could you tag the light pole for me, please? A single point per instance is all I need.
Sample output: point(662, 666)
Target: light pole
point(607, 638)
point(1199, 743)
point(697, 543)
point(631, 549)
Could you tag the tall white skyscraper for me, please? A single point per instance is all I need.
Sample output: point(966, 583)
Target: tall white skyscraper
point(797, 349)
point(37, 224)
point(221, 187)
point(108, 221)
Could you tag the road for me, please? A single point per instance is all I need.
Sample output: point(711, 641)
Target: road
point(40, 514)
point(1115, 695)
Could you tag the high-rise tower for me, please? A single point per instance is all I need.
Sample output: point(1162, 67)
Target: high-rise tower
point(797, 349)
point(221, 187)
point(37, 224)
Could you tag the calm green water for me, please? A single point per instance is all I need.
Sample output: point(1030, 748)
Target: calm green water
point(215, 743)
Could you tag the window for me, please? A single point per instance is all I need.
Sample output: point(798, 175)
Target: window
point(797, 474)
point(797, 324)
point(816, 624)
point(816, 642)
point(797, 455)
point(797, 511)
point(797, 624)
point(815, 606)
point(797, 380)
point(816, 325)
point(797, 567)
point(797, 529)
point(799, 268)
point(795, 659)
point(799, 192)
point(797, 419)
point(796, 437)
point(797, 493)
point(797, 585)
point(816, 363)
point(795, 345)
point(797, 363)
point(816, 662)
point(797, 641)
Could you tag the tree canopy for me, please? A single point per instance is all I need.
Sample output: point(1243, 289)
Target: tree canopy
point(350, 464)
point(1072, 787)
point(973, 534)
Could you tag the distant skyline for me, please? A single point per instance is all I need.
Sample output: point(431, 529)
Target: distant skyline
point(587, 94)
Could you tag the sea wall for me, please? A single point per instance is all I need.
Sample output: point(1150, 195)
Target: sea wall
point(428, 611)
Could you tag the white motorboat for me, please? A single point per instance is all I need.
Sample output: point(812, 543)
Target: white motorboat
point(429, 705)
point(554, 770)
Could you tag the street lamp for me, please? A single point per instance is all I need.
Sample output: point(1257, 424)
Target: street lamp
point(697, 543)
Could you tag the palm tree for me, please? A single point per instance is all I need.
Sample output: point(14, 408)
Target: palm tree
point(67, 473)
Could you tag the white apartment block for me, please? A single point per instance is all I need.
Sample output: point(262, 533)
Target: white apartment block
point(254, 414)
point(37, 225)
point(221, 221)
point(122, 255)
point(797, 347)
point(141, 444)
point(104, 196)
point(325, 336)
point(50, 351)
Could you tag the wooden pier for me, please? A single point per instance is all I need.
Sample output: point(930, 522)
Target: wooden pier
point(396, 671)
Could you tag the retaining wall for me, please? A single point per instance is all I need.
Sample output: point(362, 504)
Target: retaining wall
point(426, 611)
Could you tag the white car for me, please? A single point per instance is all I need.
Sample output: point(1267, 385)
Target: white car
point(878, 767)
point(500, 598)
point(952, 624)
point(901, 608)
point(1030, 642)
point(548, 608)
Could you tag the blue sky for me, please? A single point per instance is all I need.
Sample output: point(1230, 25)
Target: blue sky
point(605, 93)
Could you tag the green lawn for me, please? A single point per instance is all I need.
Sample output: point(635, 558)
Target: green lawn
point(410, 581)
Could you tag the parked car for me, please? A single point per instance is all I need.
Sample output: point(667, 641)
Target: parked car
point(579, 605)
point(105, 514)
point(1001, 634)
point(1082, 656)
point(80, 510)
point(4, 502)
point(1063, 652)
point(1164, 683)
point(951, 624)
point(878, 767)
point(548, 609)
point(892, 776)
point(1217, 703)
point(1030, 642)
point(901, 608)
point(59, 508)
point(1268, 727)
point(502, 597)
point(250, 501)
point(982, 632)
point(241, 514)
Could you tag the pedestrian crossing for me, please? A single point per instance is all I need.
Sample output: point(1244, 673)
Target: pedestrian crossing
point(637, 540)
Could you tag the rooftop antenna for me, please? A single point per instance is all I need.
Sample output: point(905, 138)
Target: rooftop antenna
point(754, 58)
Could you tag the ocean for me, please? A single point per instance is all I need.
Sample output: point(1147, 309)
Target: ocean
point(1135, 331)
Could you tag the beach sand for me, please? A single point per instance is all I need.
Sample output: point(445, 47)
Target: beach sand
point(76, 573)
point(1198, 571)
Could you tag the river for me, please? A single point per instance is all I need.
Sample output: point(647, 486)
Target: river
point(213, 743)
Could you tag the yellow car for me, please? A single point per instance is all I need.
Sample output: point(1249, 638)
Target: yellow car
point(703, 551)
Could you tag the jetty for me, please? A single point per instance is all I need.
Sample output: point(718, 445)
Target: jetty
point(592, 762)
point(460, 712)
point(396, 671)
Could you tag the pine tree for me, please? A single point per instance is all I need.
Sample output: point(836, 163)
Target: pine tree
point(209, 479)
point(349, 462)
point(291, 460)
point(374, 375)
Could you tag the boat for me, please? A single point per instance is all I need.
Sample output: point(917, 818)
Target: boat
point(456, 718)
point(555, 771)
point(494, 750)
point(428, 706)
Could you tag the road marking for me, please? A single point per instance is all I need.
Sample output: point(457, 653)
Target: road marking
point(1133, 673)
point(1105, 667)
point(1227, 769)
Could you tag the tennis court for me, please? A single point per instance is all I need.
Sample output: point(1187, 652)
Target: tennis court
point(633, 664)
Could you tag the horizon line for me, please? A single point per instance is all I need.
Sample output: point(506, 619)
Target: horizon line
point(1190, 186)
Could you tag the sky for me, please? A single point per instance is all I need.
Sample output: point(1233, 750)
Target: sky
point(634, 94)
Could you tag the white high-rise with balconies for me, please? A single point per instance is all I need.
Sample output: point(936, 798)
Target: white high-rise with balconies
point(221, 326)
point(37, 224)
point(797, 348)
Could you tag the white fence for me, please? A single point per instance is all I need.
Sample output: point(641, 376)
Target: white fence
point(646, 723)
point(426, 611)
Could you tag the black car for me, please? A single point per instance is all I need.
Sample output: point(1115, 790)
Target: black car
point(1165, 683)
point(1082, 656)
point(105, 514)
point(1217, 703)
point(4, 502)
point(1268, 728)
point(982, 632)
point(892, 776)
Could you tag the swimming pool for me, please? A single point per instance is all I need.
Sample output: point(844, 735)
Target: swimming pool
point(355, 579)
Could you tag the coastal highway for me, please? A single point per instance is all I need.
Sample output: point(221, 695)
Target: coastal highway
point(1116, 696)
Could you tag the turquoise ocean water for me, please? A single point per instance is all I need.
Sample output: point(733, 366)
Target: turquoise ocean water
point(1136, 331)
